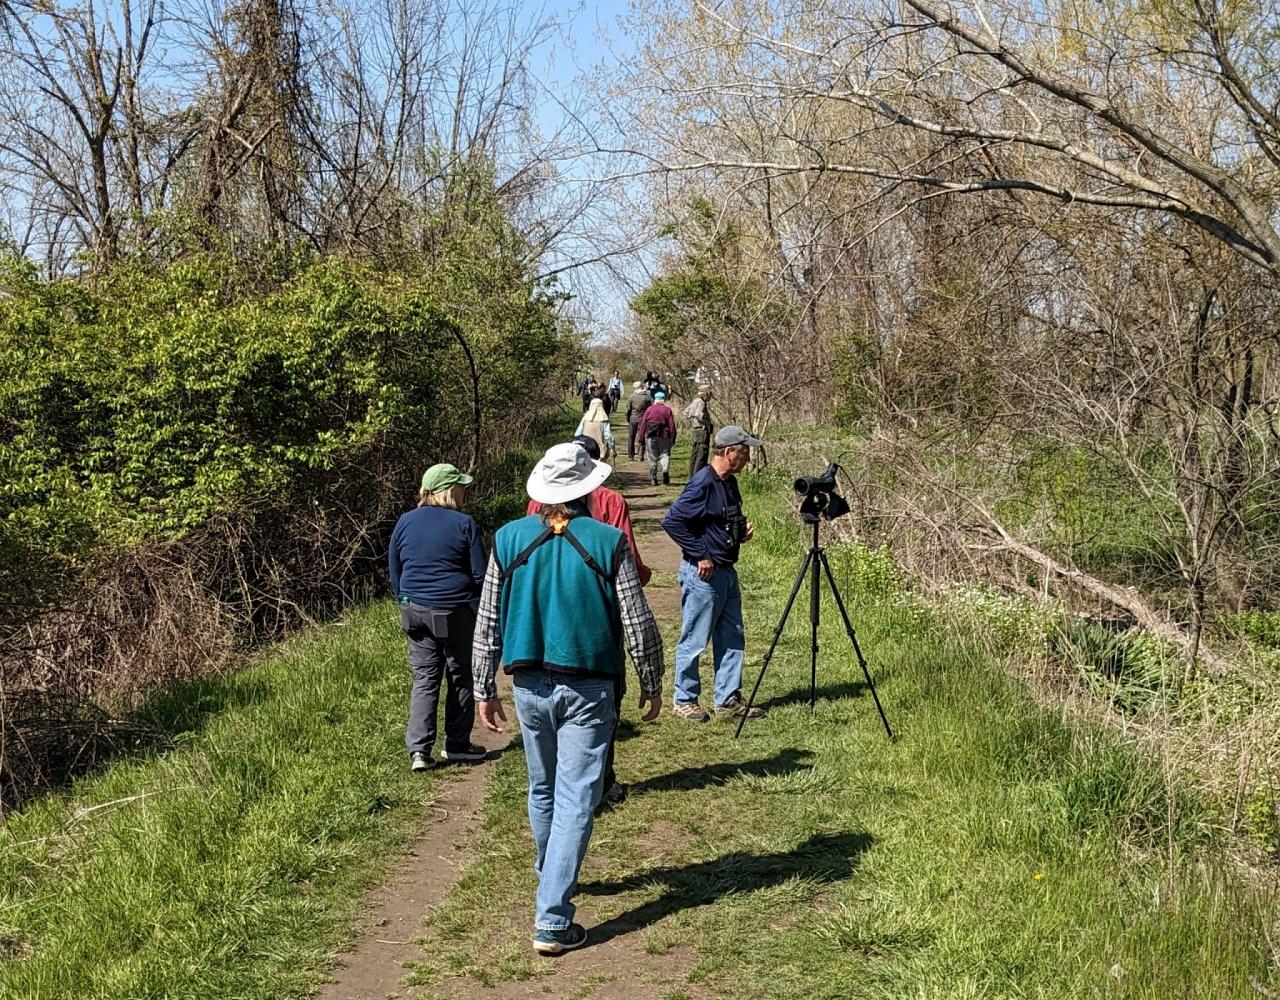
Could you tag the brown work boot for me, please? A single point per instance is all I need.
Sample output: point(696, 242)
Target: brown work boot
point(736, 707)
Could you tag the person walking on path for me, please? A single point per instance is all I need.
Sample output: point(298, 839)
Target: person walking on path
point(706, 521)
point(437, 564)
point(615, 389)
point(610, 507)
point(698, 413)
point(588, 394)
point(560, 598)
point(639, 401)
point(657, 434)
point(595, 424)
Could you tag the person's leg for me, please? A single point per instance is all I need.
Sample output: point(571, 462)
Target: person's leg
point(697, 605)
point(426, 660)
point(535, 710)
point(619, 689)
point(664, 448)
point(585, 719)
point(727, 637)
point(632, 427)
point(459, 706)
point(651, 452)
point(698, 455)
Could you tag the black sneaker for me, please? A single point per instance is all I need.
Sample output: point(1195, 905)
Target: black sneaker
point(419, 762)
point(666, 479)
point(554, 942)
point(614, 795)
point(467, 752)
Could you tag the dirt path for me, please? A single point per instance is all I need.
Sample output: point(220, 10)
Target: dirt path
point(374, 967)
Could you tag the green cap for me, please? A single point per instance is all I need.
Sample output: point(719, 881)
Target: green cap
point(440, 477)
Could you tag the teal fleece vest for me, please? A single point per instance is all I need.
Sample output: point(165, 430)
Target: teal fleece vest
point(556, 611)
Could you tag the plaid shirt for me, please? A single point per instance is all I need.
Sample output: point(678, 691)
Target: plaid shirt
point(644, 642)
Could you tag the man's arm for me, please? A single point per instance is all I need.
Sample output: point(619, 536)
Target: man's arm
point(621, 520)
point(644, 641)
point(681, 518)
point(478, 560)
point(486, 647)
point(393, 562)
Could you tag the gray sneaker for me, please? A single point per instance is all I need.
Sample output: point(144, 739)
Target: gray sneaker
point(419, 762)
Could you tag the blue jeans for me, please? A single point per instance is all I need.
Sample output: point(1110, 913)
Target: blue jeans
point(710, 609)
point(566, 723)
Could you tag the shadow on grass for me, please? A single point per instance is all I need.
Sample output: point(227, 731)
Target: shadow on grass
point(786, 762)
point(824, 857)
point(826, 692)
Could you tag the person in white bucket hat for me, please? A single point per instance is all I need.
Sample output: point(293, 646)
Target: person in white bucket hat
point(560, 598)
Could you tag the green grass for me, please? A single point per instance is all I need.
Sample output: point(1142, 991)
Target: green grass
point(232, 864)
point(994, 850)
point(232, 861)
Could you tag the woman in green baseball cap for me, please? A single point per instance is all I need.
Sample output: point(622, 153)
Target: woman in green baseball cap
point(437, 565)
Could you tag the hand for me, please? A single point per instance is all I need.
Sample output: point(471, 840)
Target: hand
point(751, 530)
point(655, 706)
point(491, 714)
point(706, 569)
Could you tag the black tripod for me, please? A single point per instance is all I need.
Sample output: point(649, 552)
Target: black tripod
point(814, 558)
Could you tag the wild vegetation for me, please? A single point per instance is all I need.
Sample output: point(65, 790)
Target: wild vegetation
point(244, 300)
point(1026, 257)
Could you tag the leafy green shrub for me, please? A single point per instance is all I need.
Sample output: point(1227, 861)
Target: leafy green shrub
point(216, 448)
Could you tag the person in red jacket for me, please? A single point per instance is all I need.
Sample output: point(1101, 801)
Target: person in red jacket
point(610, 507)
point(657, 434)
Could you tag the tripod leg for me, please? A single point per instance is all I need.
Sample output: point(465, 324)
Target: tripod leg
point(853, 638)
point(777, 634)
point(815, 614)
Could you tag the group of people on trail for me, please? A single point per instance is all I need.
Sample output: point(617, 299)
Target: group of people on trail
point(651, 428)
point(554, 603)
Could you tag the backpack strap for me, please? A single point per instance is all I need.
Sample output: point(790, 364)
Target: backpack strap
point(524, 555)
point(587, 557)
point(546, 535)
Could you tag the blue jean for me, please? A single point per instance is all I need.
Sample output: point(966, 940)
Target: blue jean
point(566, 723)
point(710, 610)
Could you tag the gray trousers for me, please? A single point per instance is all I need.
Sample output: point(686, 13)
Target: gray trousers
point(432, 658)
point(658, 451)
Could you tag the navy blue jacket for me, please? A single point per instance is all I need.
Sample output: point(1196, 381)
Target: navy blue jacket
point(436, 559)
point(699, 519)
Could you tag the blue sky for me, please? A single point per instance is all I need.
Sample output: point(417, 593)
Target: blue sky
point(588, 35)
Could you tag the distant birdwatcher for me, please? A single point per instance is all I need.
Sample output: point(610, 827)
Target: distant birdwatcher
point(599, 392)
point(437, 564)
point(610, 507)
point(698, 415)
point(657, 433)
point(588, 394)
point(639, 401)
point(560, 599)
point(615, 389)
point(595, 425)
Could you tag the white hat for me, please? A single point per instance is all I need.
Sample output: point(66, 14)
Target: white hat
point(566, 472)
point(637, 385)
